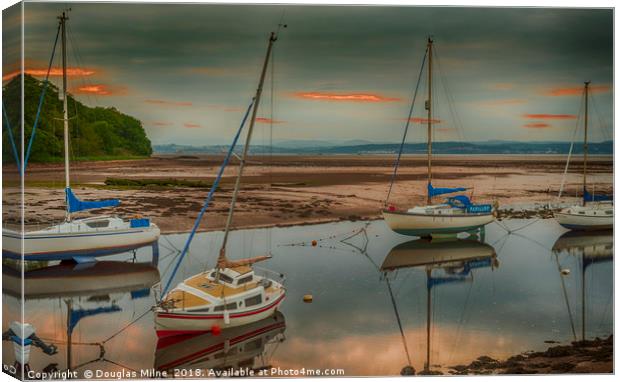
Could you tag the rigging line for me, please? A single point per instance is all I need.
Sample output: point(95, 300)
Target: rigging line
point(11, 137)
point(451, 104)
point(126, 326)
point(570, 150)
point(565, 293)
point(459, 328)
point(41, 99)
point(402, 143)
point(400, 325)
point(209, 197)
point(600, 119)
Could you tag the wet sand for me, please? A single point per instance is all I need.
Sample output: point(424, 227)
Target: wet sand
point(292, 190)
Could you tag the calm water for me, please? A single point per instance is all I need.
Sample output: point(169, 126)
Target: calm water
point(505, 295)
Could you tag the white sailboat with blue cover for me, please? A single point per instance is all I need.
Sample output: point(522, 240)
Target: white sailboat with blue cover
point(78, 239)
point(457, 214)
point(596, 211)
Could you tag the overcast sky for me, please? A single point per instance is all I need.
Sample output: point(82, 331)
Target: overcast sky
point(188, 71)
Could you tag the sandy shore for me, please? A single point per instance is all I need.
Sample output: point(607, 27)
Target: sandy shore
point(291, 190)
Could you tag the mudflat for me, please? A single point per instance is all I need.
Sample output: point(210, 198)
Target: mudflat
point(284, 190)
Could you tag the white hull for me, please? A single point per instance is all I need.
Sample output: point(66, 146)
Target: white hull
point(584, 218)
point(170, 324)
point(77, 238)
point(420, 224)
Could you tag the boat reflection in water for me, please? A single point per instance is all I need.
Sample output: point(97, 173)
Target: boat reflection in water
point(62, 295)
point(239, 349)
point(444, 261)
point(588, 248)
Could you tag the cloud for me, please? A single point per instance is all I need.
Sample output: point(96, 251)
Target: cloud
point(575, 91)
point(537, 125)
point(191, 125)
point(161, 123)
point(100, 89)
point(54, 72)
point(167, 103)
point(344, 97)
point(423, 121)
point(268, 120)
point(549, 116)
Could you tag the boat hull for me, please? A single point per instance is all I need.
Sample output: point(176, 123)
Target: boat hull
point(172, 324)
point(414, 224)
point(584, 223)
point(44, 246)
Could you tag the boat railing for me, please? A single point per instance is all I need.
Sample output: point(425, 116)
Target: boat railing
point(269, 273)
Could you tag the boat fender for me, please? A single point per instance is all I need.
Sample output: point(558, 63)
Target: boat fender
point(307, 298)
point(216, 330)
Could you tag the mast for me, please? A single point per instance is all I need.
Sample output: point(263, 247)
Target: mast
point(222, 257)
point(427, 364)
point(65, 110)
point(429, 113)
point(585, 144)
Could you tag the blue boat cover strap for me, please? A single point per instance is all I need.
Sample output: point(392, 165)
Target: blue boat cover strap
point(74, 204)
point(588, 197)
point(432, 191)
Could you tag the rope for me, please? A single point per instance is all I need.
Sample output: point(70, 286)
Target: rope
point(11, 137)
point(209, 198)
point(518, 229)
point(41, 98)
point(570, 150)
point(400, 325)
point(402, 143)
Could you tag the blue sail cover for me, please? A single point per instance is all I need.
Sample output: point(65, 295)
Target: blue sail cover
point(588, 197)
point(74, 204)
point(432, 191)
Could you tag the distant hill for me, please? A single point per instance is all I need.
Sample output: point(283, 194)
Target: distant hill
point(491, 147)
point(95, 132)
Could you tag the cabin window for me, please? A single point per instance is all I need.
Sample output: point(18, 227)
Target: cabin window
point(226, 278)
point(254, 300)
point(230, 306)
point(609, 212)
point(244, 280)
point(582, 213)
point(98, 224)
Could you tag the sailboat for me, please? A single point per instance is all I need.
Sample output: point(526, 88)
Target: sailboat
point(453, 259)
point(457, 214)
point(589, 248)
point(595, 212)
point(231, 294)
point(78, 239)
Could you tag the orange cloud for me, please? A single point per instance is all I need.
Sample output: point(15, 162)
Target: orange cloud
point(346, 97)
point(574, 91)
point(423, 120)
point(167, 103)
point(538, 125)
point(190, 125)
point(54, 72)
point(550, 116)
point(161, 123)
point(268, 120)
point(99, 89)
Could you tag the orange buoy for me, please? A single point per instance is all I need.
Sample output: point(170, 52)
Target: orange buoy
point(308, 298)
point(314, 243)
point(216, 330)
